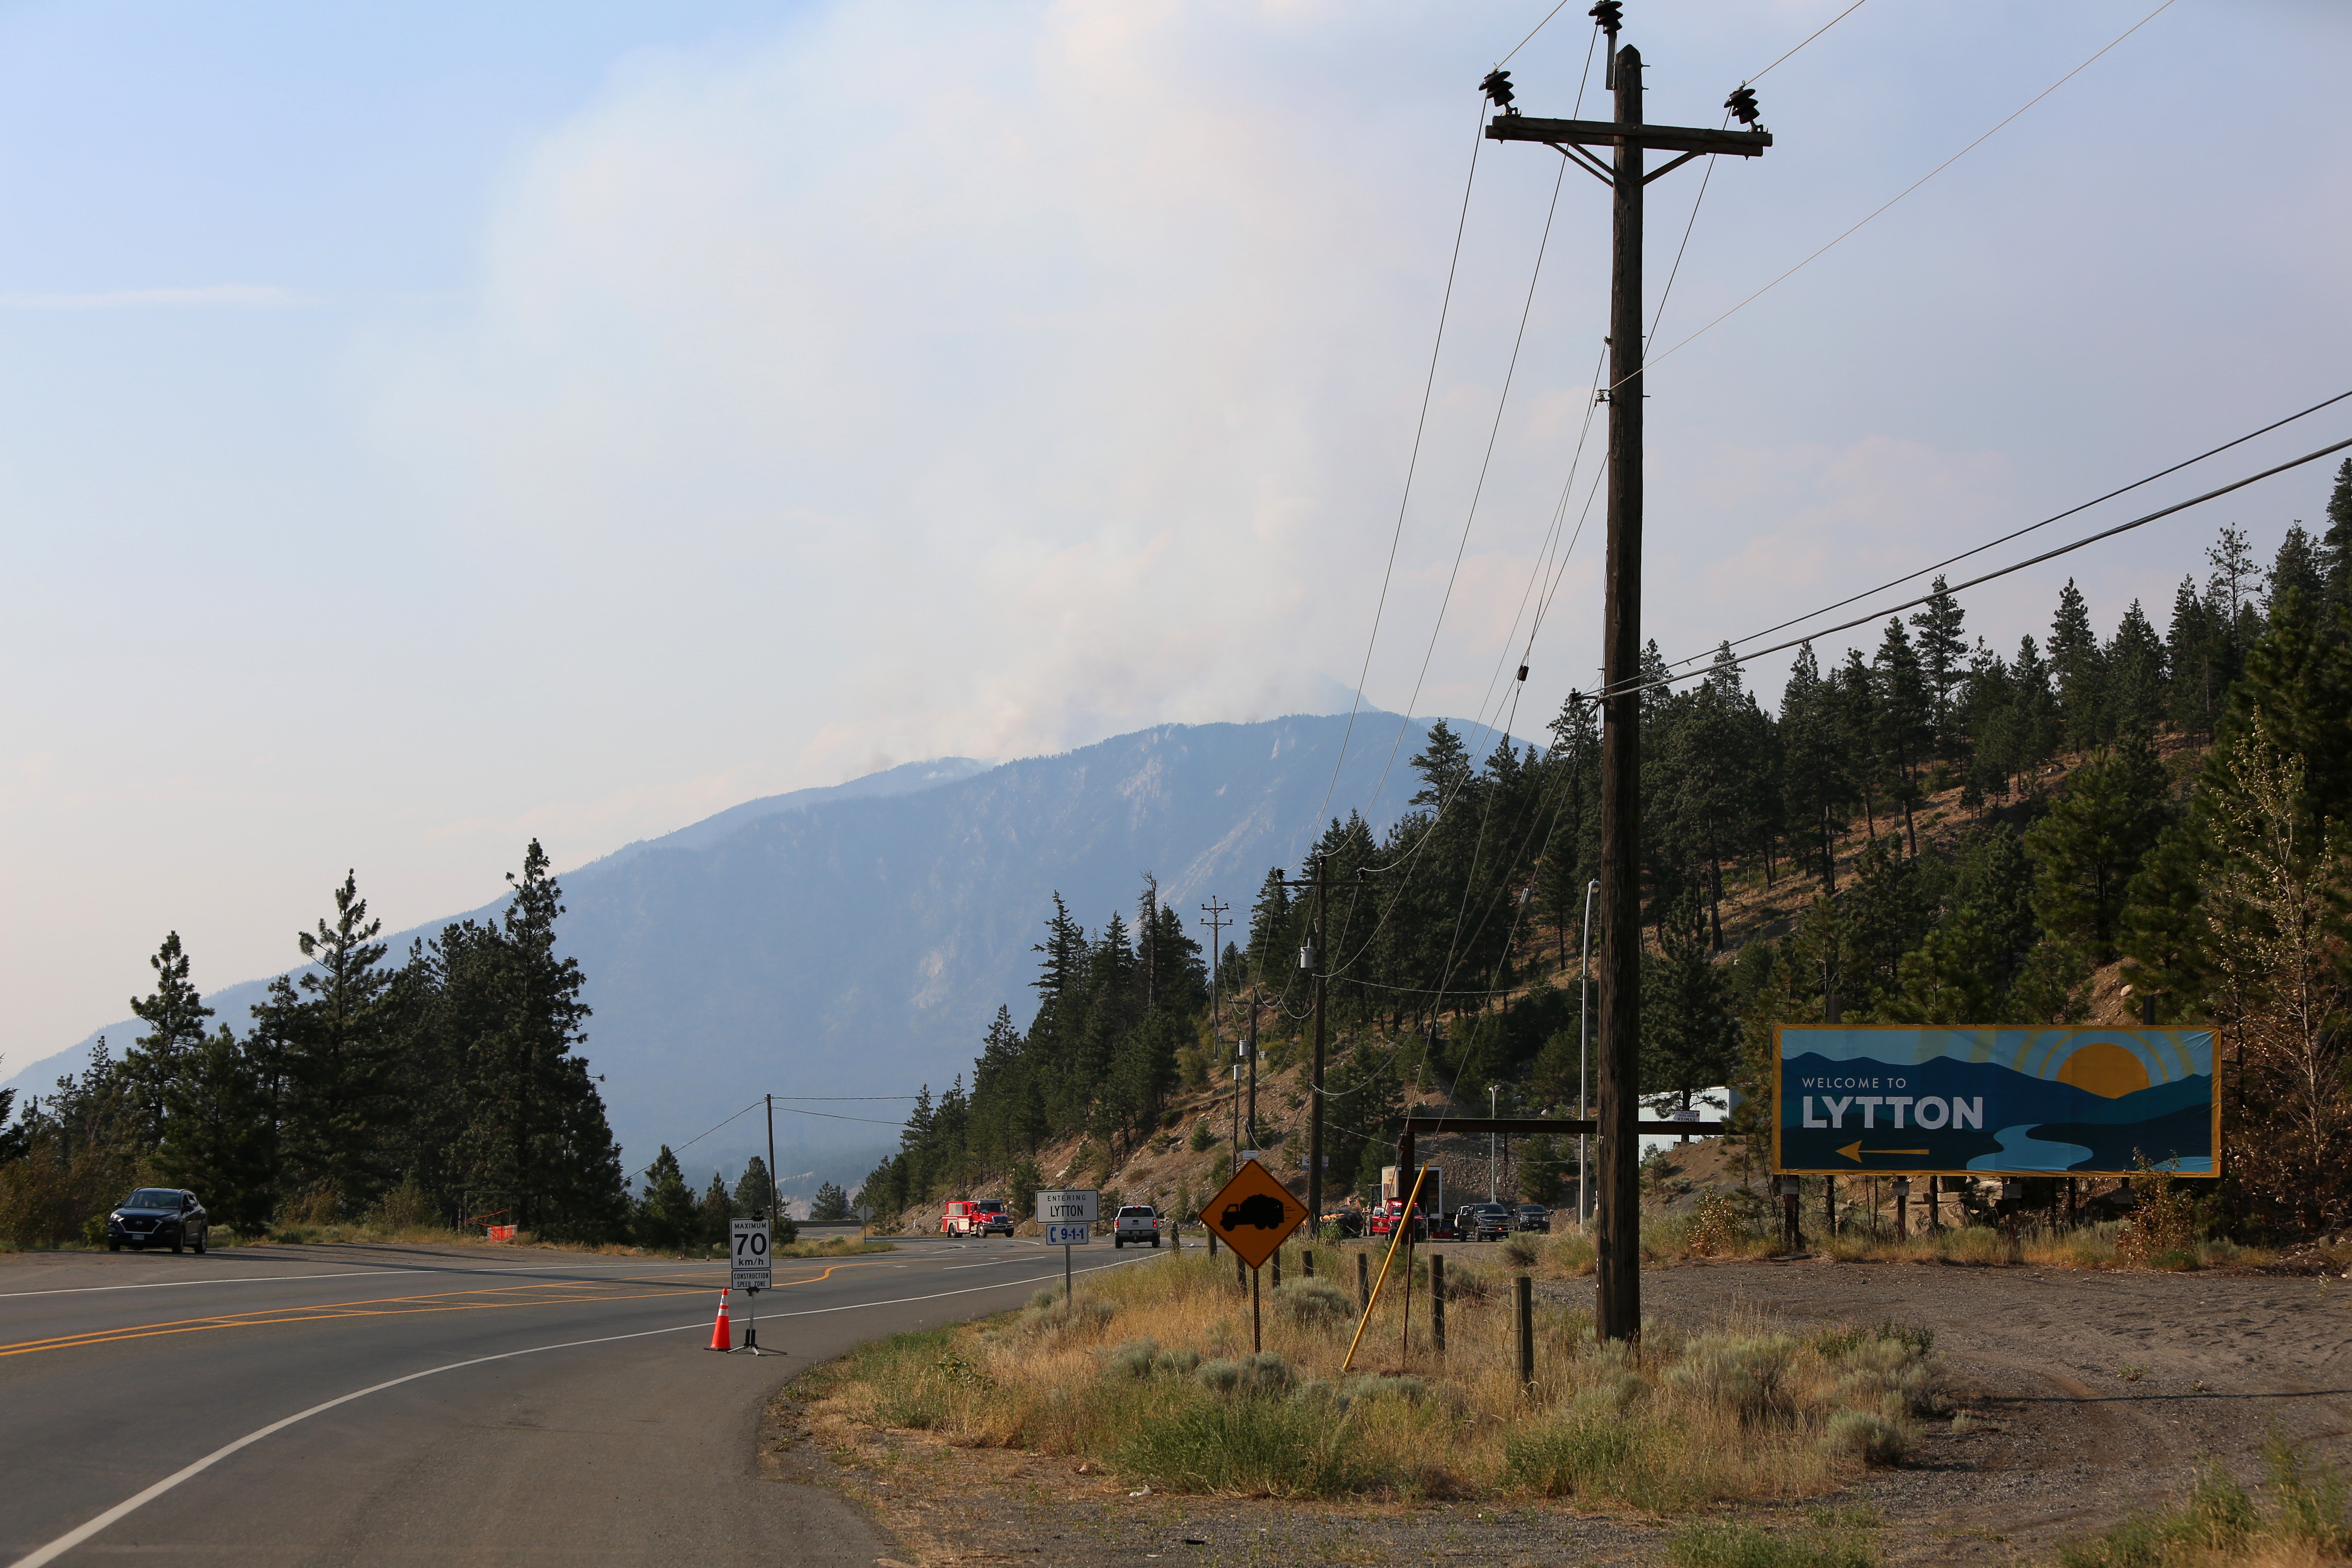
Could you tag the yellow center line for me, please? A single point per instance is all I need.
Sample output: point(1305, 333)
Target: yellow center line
point(582, 1292)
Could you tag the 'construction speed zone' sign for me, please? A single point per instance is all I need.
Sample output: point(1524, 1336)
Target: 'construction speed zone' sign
point(752, 1269)
point(1252, 1214)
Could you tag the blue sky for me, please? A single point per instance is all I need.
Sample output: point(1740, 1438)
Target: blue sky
point(424, 430)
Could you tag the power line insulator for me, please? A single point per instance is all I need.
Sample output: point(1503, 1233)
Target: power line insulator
point(1523, 674)
point(1610, 15)
point(1742, 104)
point(1497, 86)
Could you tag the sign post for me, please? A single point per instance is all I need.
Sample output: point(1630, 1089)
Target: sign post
point(1068, 1215)
point(1255, 1213)
point(751, 1270)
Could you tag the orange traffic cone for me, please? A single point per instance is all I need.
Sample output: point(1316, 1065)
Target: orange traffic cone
point(721, 1337)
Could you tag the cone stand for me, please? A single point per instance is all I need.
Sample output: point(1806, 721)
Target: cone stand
point(751, 1329)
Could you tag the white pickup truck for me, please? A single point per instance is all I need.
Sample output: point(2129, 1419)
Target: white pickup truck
point(1138, 1222)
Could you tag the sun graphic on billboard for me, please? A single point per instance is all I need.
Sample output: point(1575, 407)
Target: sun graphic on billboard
point(2104, 1068)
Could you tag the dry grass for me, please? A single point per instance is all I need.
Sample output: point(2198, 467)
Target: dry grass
point(1152, 1376)
point(2216, 1524)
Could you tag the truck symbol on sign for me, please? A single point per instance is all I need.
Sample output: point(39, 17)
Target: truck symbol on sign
point(1260, 1209)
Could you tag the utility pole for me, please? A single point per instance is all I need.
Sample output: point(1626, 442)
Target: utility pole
point(1253, 1066)
point(775, 1193)
point(1313, 959)
point(1216, 923)
point(1618, 1314)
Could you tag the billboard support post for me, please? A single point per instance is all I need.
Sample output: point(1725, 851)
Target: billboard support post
point(1903, 1208)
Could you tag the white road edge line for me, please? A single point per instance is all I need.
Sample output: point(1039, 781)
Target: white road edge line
point(123, 1510)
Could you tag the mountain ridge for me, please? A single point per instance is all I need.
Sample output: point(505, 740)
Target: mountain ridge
point(857, 939)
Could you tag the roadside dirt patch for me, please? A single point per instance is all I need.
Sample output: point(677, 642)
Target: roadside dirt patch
point(2091, 1393)
point(2085, 1395)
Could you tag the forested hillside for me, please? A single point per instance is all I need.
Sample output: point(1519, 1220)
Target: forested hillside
point(2178, 803)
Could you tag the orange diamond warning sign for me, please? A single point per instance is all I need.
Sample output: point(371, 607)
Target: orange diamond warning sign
point(1252, 1212)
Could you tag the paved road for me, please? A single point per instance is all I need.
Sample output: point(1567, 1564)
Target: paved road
point(401, 1405)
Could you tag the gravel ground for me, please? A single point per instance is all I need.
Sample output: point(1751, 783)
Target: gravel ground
point(2090, 1394)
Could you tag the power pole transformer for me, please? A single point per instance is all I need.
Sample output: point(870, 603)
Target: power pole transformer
point(1619, 1243)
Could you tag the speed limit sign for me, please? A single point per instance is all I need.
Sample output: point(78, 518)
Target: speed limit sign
point(751, 1268)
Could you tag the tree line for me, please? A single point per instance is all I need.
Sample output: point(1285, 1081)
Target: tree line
point(448, 1084)
point(2141, 796)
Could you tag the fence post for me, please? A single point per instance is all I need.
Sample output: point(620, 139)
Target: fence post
point(1438, 1303)
point(1527, 1293)
point(1364, 1282)
point(1307, 1261)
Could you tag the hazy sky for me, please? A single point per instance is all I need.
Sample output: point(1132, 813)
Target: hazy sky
point(426, 427)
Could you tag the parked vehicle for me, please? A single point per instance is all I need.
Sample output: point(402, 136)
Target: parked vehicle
point(1483, 1222)
point(1442, 1227)
point(976, 1216)
point(1395, 1187)
point(1139, 1223)
point(1346, 1221)
point(1533, 1217)
point(158, 1217)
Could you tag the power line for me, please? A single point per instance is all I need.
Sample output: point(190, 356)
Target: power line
point(1538, 29)
point(1816, 33)
point(2002, 571)
point(1413, 466)
point(1479, 491)
point(691, 1141)
point(2021, 532)
point(1907, 189)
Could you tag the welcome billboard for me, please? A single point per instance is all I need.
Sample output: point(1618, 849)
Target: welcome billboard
point(1993, 1101)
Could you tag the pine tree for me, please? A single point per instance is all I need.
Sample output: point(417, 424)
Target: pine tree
point(174, 1014)
point(1541, 1166)
point(537, 1131)
point(2195, 653)
point(830, 1206)
point(2298, 579)
point(216, 1135)
point(2093, 841)
point(714, 1216)
point(2075, 661)
point(1905, 721)
point(1943, 658)
point(1690, 1040)
point(2335, 543)
point(754, 1193)
point(2229, 591)
point(666, 1216)
point(1270, 927)
point(340, 1056)
point(2136, 675)
point(1814, 782)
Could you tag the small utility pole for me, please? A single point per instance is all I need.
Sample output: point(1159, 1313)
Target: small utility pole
point(1313, 959)
point(1618, 1314)
point(1216, 923)
point(1253, 1067)
point(775, 1193)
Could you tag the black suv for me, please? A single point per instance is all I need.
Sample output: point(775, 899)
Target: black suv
point(1483, 1222)
point(1534, 1217)
point(158, 1217)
